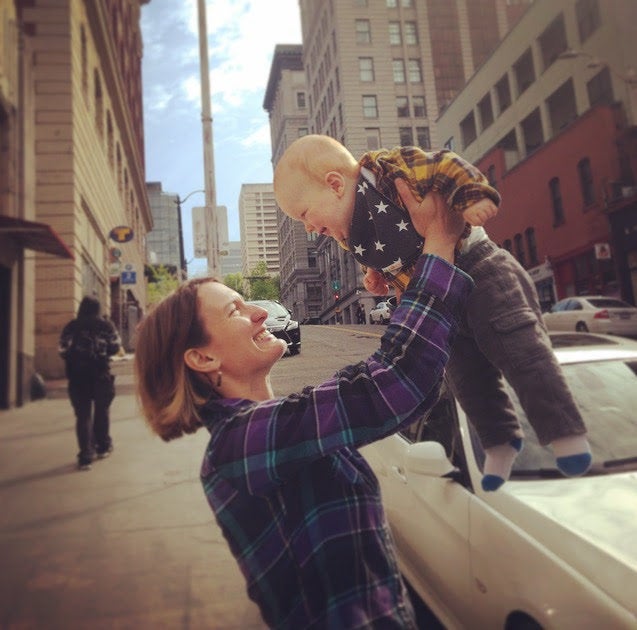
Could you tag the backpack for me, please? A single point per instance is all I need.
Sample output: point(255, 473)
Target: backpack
point(83, 355)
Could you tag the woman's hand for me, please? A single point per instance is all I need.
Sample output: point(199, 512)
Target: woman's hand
point(375, 282)
point(433, 220)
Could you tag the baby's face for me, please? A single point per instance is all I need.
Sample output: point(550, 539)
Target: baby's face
point(324, 209)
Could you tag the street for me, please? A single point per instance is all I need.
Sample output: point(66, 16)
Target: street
point(131, 543)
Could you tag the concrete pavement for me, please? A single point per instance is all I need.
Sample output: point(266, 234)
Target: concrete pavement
point(129, 544)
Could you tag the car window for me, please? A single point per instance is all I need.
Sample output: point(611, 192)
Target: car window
point(608, 303)
point(559, 306)
point(606, 394)
point(574, 305)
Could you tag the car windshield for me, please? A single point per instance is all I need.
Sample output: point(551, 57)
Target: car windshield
point(274, 308)
point(606, 394)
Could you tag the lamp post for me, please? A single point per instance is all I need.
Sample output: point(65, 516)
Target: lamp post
point(182, 254)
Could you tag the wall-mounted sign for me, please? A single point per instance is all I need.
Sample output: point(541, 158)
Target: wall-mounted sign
point(121, 234)
point(116, 253)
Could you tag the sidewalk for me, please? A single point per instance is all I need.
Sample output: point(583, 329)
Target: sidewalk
point(129, 544)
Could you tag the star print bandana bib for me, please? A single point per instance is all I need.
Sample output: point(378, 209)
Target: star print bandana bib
point(382, 235)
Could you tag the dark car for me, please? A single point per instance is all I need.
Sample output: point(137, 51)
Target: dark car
point(281, 324)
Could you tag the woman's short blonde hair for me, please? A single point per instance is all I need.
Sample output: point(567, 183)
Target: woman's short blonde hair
point(170, 393)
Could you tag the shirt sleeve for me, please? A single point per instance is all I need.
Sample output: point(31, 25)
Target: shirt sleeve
point(260, 445)
point(66, 339)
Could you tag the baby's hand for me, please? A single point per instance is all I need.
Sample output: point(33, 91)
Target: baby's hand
point(480, 212)
point(375, 282)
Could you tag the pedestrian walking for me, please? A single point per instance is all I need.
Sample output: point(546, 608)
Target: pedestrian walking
point(86, 345)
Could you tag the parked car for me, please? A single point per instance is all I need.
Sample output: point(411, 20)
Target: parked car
point(544, 551)
point(594, 313)
point(281, 324)
point(380, 314)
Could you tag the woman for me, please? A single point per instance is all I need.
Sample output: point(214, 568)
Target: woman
point(298, 505)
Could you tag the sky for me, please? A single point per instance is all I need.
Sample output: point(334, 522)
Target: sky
point(242, 35)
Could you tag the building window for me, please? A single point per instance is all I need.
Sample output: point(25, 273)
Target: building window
point(422, 137)
point(586, 181)
point(553, 41)
point(370, 108)
point(450, 144)
point(519, 249)
point(394, 34)
point(420, 109)
point(587, 12)
point(486, 112)
point(361, 3)
point(503, 92)
point(524, 71)
point(402, 107)
point(531, 246)
point(411, 33)
point(406, 136)
point(300, 100)
point(532, 131)
point(366, 68)
point(600, 89)
point(468, 130)
point(363, 32)
point(491, 176)
point(109, 139)
point(99, 104)
point(561, 106)
point(84, 57)
point(407, 4)
point(398, 68)
point(413, 68)
point(392, 4)
point(372, 137)
point(303, 131)
point(507, 245)
point(556, 201)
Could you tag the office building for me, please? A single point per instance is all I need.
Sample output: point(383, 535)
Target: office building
point(551, 118)
point(73, 177)
point(258, 226)
point(164, 243)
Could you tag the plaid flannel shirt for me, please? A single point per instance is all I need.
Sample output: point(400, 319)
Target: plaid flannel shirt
point(299, 506)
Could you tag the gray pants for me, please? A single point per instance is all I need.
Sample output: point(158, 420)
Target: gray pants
point(503, 334)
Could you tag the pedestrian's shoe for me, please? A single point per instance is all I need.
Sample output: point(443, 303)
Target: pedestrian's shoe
point(106, 453)
point(83, 466)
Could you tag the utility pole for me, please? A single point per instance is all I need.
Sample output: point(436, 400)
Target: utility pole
point(208, 147)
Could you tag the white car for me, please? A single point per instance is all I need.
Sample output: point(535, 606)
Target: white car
point(543, 551)
point(380, 314)
point(593, 313)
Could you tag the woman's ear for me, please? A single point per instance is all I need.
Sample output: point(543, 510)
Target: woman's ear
point(199, 361)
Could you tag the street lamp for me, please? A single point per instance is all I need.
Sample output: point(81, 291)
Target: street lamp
point(182, 254)
point(630, 78)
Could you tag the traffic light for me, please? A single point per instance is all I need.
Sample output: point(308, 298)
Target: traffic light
point(336, 296)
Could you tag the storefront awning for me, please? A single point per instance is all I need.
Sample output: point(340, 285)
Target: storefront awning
point(40, 237)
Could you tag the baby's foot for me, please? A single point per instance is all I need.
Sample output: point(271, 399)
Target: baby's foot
point(498, 462)
point(572, 455)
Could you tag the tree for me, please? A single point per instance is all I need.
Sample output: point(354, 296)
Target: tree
point(161, 282)
point(262, 285)
point(235, 281)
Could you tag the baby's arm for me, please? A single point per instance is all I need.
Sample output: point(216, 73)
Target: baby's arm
point(465, 188)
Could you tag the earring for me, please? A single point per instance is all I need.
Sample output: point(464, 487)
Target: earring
point(218, 378)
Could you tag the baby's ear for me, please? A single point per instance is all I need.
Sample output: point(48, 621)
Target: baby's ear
point(335, 181)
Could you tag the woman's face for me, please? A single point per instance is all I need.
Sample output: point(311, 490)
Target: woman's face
point(240, 341)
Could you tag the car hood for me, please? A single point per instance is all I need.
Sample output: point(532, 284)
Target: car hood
point(590, 522)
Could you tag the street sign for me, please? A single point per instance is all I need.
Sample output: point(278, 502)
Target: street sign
point(129, 277)
point(121, 234)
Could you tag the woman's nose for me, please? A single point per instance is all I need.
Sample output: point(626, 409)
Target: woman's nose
point(259, 314)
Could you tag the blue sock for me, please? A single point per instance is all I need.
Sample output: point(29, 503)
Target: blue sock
point(572, 455)
point(498, 462)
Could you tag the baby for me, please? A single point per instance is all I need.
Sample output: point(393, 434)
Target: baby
point(358, 203)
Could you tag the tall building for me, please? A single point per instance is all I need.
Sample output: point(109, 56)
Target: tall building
point(164, 243)
point(258, 225)
point(72, 162)
point(286, 103)
point(551, 118)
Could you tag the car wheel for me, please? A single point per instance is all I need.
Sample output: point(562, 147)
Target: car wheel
point(581, 327)
point(295, 350)
point(520, 621)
